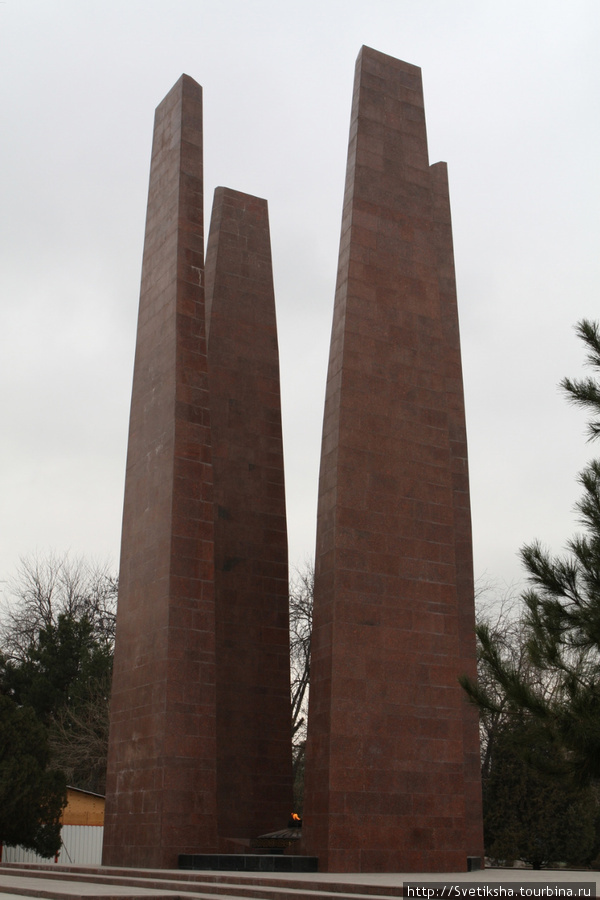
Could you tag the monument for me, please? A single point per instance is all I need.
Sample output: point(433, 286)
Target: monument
point(200, 735)
point(392, 768)
point(199, 747)
point(161, 777)
point(254, 763)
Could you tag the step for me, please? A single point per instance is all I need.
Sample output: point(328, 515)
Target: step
point(154, 882)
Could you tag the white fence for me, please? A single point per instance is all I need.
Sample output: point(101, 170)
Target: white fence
point(81, 845)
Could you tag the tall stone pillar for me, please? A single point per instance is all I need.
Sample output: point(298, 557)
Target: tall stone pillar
point(254, 778)
point(392, 777)
point(161, 784)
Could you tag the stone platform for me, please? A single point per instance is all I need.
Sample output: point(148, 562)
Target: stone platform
point(103, 882)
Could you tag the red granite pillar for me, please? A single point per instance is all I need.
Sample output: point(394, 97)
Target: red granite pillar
point(391, 780)
point(161, 791)
point(254, 779)
point(457, 435)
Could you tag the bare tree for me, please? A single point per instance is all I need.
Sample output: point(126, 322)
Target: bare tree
point(301, 617)
point(500, 611)
point(43, 588)
point(79, 739)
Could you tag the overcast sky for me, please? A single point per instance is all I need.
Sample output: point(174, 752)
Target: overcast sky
point(512, 100)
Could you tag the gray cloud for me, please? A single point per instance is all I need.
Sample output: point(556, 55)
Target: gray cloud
point(512, 99)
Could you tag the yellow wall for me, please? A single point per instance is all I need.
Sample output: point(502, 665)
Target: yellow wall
point(83, 809)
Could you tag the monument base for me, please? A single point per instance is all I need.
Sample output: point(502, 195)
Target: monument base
point(247, 862)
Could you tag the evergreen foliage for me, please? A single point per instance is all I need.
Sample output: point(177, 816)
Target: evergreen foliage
point(58, 668)
point(532, 810)
point(544, 699)
point(32, 795)
point(56, 650)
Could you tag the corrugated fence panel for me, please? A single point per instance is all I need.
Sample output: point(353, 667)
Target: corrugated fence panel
point(82, 845)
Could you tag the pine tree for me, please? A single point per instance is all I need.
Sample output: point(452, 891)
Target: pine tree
point(562, 619)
